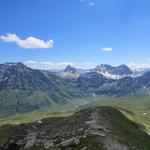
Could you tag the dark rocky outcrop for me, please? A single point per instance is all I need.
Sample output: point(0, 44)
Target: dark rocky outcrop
point(104, 128)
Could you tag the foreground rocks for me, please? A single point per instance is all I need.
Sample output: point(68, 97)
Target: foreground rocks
point(69, 143)
point(91, 129)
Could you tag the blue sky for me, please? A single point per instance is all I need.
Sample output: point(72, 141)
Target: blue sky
point(84, 33)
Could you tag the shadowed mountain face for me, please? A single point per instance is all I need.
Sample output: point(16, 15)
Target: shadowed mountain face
point(18, 76)
point(92, 80)
point(104, 128)
point(23, 89)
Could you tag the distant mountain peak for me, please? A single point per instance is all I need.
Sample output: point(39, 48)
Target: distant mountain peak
point(70, 69)
point(115, 72)
point(104, 65)
point(70, 72)
point(123, 66)
point(109, 66)
point(11, 64)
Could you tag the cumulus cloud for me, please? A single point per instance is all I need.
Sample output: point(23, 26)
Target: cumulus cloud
point(48, 64)
point(108, 49)
point(28, 43)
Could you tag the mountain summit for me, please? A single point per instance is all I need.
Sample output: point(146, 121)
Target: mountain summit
point(114, 72)
point(70, 69)
point(70, 72)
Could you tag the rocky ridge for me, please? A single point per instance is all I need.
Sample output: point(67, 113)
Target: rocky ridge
point(95, 126)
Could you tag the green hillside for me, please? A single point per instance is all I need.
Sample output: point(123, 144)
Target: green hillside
point(99, 127)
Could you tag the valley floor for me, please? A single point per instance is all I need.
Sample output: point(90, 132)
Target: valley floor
point(100, 122)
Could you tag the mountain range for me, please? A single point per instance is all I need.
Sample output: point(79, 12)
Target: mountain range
point(23, 89)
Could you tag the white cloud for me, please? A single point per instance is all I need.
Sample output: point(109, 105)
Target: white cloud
point(57, 65)
point(137, 66)
point(88, 2)
point(31, 62)
point(108, 49)
point(29, 43)
point(91, 4)
point(48, 64)
point(65, 63)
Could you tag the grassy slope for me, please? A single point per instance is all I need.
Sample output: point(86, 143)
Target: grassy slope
point(32, 117)
point(140, 106)
point(126, 131)
point(137, 105)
